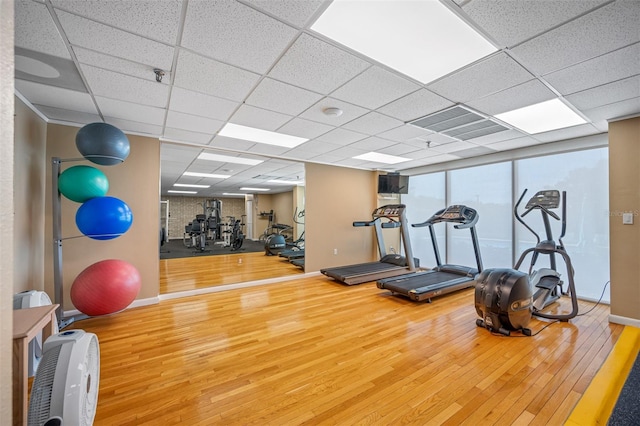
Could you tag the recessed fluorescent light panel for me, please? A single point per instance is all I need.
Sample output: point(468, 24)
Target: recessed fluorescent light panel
point(206, 175)
point(188, 185)
point(542, 117)
point(420, 38)
point(228, 159)
point(182, 192)
point(381, 158)
point(252, 134)
point(254, 189)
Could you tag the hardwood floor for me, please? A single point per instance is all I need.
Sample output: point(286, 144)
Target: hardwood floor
point(193, 273)
point(312, 351)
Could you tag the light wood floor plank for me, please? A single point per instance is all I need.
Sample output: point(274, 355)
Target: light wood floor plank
point(312, 351)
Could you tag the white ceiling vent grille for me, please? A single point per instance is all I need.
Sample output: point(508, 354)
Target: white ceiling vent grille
point(459, 122)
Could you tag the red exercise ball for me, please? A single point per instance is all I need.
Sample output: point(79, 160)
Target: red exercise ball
point(105, 287)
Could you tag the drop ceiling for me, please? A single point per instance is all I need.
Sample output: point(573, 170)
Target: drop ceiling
point(258, 63)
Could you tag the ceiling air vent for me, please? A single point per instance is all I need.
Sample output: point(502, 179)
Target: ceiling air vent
point(459, 122)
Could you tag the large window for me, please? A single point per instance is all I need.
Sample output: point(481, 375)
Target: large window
point(584, 177)
point(426, 196)
point(488, 189)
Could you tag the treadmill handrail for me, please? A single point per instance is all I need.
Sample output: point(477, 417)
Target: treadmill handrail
point(366, 222)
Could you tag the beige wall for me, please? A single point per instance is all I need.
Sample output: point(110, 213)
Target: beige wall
point(624, 196)
point(6, 209)
point(134, 181)
point(335, 197)
point(29, 199)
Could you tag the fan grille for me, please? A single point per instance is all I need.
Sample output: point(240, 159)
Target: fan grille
point(41, 391)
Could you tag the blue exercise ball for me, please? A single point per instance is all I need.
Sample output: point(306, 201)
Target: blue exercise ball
point(82, 183)
point(104, 218)
point(103, 144)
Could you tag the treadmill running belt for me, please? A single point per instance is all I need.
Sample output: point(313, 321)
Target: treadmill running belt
point(424, 285)
point(363, 272)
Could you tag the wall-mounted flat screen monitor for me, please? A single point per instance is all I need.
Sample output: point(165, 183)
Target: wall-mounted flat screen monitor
point(393, 183)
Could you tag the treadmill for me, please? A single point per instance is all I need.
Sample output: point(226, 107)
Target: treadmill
point(389, 265)
point(423, 285)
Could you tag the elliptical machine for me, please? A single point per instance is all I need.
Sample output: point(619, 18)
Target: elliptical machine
point(505, 299)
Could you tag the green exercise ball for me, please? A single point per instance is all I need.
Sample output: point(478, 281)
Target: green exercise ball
point(82, 183)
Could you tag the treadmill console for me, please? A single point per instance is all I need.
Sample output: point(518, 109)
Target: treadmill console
point(463, 216)
point(549, 199)
point(390, 210)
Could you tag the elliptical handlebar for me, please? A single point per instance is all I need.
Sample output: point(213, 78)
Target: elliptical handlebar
point(564, 218)
point(519, 218)
point(544, 209)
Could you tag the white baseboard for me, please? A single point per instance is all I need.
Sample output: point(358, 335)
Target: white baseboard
point(616, 319)
point(216, 289)
point(135, 304)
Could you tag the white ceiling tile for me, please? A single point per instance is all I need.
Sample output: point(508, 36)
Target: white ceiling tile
point(490, 75)
point(604, 69)
point(102, 38)
point(110, 84)
point(373, 123)
point(200, 74)
point(134, 126)
point(194, 103)
point(111, 63)
point(276, 96)
point(259, 118)
point(313, 147)
point(312, 64)
point(372, 144)
point(447, 148)
point(264, 149)
point(304, 128)
point(349, 112)
point(293, 11)
point(374, 88)
point(61, 114)
point(400, 150)
point(405, 133)
point(525, 94)
point(567, 133)
point(236, 34)
point(146, 18)
point(56, 97)
point(130, 111)
point(341, 137)
point(36, 30)
point(607, 93)
point(525, 18)
point(436, 159)
point(608, 28)
point(614, 110)
point(180, 135)
point(514, 143)
point(193, 123)
point(415, 105)
point(345, 152)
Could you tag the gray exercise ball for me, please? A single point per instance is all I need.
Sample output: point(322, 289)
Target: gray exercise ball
point(103, 144)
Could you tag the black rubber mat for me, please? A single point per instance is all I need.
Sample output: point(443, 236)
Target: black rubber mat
point(627, 409)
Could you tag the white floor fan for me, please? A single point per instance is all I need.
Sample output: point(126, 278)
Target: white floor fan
point(65, 389)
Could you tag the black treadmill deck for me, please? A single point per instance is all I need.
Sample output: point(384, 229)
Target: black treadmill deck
point(363, 272)
point(424, 285)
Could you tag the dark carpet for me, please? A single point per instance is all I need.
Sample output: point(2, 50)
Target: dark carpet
point(627, 409)
point(175, 248)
